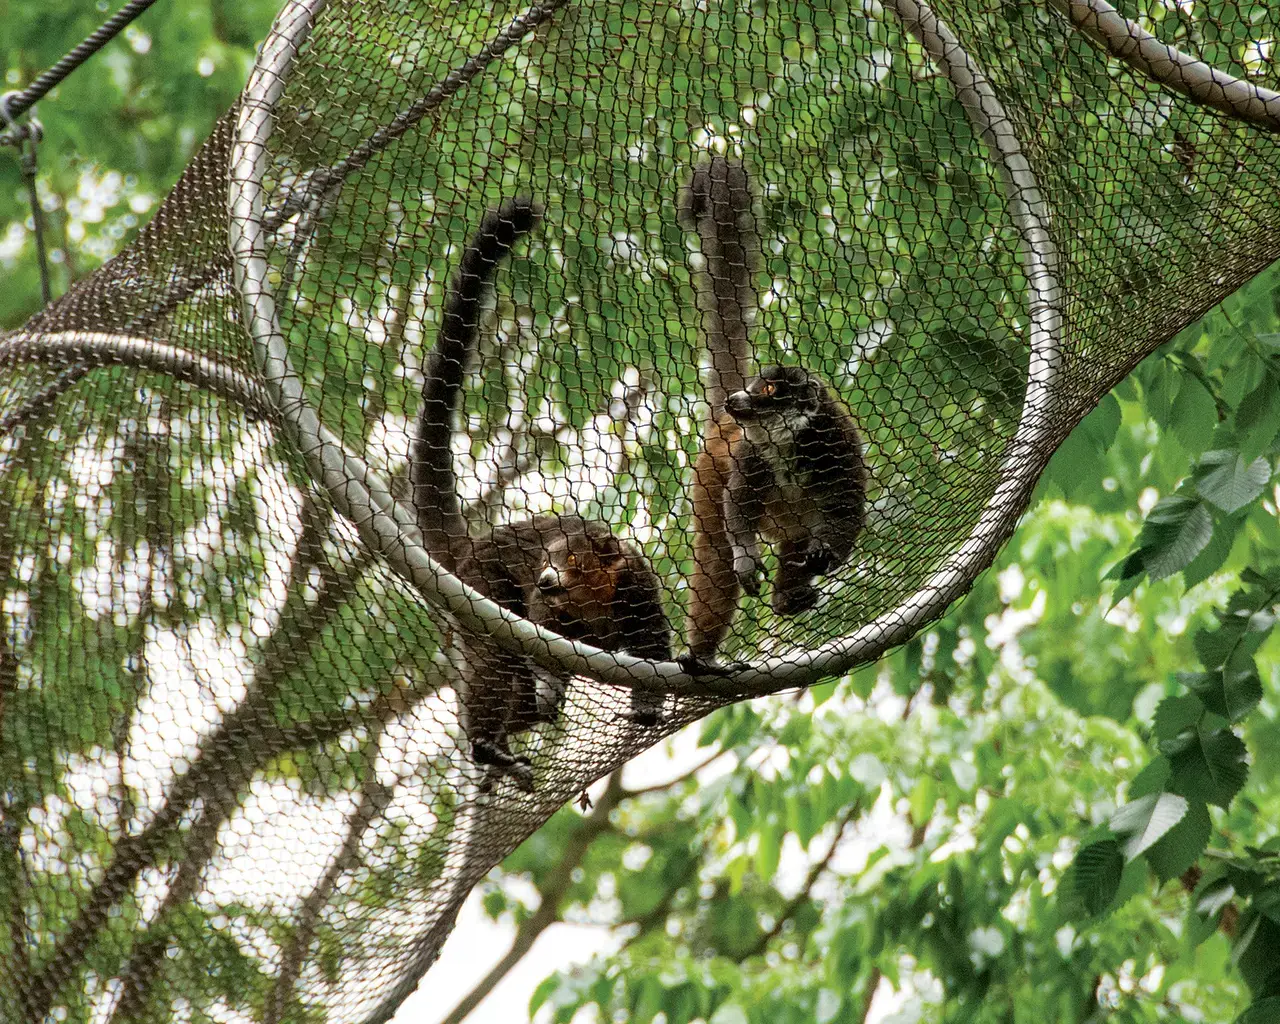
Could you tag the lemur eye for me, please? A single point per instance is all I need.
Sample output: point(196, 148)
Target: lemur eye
point(573, 560)
point(768, 389)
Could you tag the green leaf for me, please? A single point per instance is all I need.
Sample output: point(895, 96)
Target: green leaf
point(822, 692)
point(542, 993)
point(1100, 426)
point(1214, 647)
point(1128, 568)
point(924, 795)
point(1143, 821)
point(1151, 779)
point(1258, 419)
point(768, 851)
point(1079, 458)
point(1208, 687)
point(1212, 766)
point(1214, 554)
point(736, 873)
point(1242, 686)
point(1193, 417)
point(1257, 953)
point(1160, 389)
point(712, 726)
point(1182, 845)
point(1213, 896)
point(1177, 530)
point(1124, 590)
point(1176, 715)
point(1225, 479)
point(1268, 901)
point(1264, 1011)
point(1134, 881)
point(647, 1001)
point(801, 819)
point(494, 903)
point(1210, 897)
point(1231, 692)
point(1246, 877)
point(1097, 869)
point(1264, 580)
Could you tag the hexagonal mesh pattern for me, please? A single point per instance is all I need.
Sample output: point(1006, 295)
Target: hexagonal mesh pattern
point(248, 722)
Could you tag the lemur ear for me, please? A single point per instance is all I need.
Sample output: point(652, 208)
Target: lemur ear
point(813, 392)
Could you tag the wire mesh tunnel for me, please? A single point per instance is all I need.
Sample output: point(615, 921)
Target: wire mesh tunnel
point(242, 678)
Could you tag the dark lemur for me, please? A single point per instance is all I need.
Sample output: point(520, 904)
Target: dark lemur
point(564, 572)
point(781, 459)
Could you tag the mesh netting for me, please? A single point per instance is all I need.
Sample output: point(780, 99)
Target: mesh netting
point(241, 699)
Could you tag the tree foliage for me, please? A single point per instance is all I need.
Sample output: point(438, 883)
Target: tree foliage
point(1057, 803)
point(117, 132)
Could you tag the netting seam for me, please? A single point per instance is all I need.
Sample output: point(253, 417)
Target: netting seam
point(323, 181)
point(1168, 66)
point(386, 524)
point(104, 349)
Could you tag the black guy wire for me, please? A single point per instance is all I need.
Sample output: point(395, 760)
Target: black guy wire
point(13, 105)
point(20, 102)
point(25, 138)
point(37, 220)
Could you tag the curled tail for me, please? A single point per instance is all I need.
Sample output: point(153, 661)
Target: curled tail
point(717, 203)
point(434, 488)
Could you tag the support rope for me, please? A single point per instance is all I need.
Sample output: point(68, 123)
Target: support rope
point(14, 104)
point(1168, 66)
point(25, 138)
point(21, 102)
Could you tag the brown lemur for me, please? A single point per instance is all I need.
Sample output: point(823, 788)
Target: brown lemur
point(781, 457)
point(564, 572)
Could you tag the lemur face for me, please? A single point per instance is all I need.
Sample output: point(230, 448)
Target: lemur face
point(779, 394)
point(579, 575)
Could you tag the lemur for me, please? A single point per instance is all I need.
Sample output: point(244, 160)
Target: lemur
point(781, 458)
point(564, 572)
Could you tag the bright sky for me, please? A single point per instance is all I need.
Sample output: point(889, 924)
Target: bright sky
point(478, 942)
point(203, 673)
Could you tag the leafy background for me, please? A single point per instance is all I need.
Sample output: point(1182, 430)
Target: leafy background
point(1059, 802)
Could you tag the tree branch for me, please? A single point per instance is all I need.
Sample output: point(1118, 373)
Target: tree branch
point(869, 996)
point(145, 962)
point(551, 892)
point(816, 871)
point(246, 740)
point(374, 798)
point(147, 959)
point(653, 918)
point(631, 794)
point(220, 772)
point(324, 180)
point(199, 845)
point(1168, 66)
